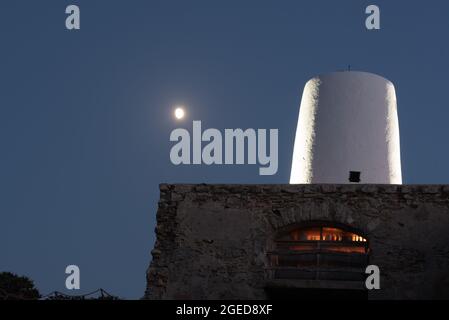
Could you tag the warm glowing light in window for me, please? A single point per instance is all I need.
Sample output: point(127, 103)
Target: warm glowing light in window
point(325, 234)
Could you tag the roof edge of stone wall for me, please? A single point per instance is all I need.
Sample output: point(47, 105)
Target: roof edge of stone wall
point(304, 188)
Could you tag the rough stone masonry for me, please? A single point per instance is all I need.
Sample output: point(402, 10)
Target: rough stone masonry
point(212, 240)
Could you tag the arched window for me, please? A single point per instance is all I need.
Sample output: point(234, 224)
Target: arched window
point(320, 251)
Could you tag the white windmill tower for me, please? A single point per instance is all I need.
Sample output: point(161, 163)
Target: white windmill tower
point(348, 131)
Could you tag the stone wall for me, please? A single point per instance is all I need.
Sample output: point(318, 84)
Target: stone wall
point(212, 240)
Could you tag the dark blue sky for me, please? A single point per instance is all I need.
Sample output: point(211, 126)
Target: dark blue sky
point(85, 116)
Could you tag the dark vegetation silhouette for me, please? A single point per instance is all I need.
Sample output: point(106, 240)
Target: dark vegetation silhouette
point(14, 287)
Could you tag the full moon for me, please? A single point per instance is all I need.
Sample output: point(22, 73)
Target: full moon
point(179, 113)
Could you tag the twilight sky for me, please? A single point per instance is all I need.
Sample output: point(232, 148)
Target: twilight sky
point(85, 116)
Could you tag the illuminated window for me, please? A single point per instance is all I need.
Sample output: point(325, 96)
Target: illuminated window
point(320, 252)
point(347, 241)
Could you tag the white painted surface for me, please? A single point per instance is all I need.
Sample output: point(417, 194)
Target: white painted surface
point(347, 122)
